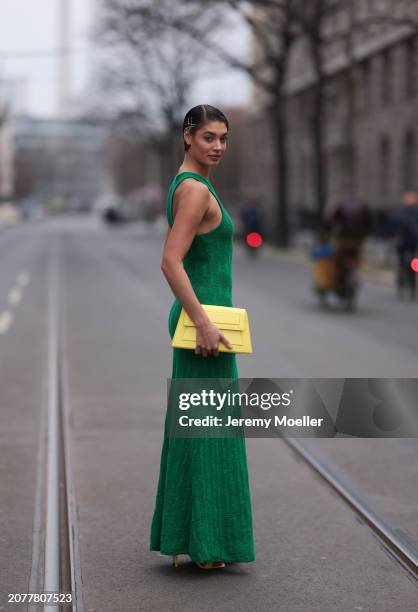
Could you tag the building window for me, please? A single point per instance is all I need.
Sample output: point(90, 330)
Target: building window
point(387, 78)
point(363, 92)
point(411, 73)
point(409, 159)
point(384, 167)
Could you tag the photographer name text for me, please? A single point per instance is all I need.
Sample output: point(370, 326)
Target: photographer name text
point(279, 421)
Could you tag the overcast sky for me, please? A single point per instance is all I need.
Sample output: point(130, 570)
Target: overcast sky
point(32, 25)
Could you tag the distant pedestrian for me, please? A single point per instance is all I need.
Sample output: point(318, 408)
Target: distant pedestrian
point(252, 224)
point(404, 224)
point(349, 224)
point(251, 217)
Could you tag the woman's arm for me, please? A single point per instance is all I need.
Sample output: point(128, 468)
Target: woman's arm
point(193, 202)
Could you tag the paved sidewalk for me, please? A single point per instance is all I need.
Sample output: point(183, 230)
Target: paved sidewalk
point(373, 271)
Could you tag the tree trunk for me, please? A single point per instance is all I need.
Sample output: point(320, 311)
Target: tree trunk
point(281, 234)
point(318, 123)
point(350, 117)
point(162, 158)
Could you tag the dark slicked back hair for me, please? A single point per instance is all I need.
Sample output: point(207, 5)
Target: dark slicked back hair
point(197, 116)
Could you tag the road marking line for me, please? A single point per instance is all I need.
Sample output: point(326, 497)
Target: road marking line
point(14, 297)
point(6, 319)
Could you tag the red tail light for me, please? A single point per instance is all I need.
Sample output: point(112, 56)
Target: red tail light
point(414, 264)
point(254, 239)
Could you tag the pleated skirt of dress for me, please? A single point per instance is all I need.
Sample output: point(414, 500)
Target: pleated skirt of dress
point(203, 502)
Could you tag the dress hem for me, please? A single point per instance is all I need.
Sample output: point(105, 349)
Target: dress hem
point(225, 558)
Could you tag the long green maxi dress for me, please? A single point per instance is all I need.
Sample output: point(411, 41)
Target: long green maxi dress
point(203, 503)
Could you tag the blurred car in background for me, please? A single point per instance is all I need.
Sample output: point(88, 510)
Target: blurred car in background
point(9, 214)
point(146, 203)
point(110, 208)
point(142, 204)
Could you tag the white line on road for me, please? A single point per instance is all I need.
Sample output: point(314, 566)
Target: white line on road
point(15, 296)
point(6, 319)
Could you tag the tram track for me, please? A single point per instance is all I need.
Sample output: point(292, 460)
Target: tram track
point(404, 555)
point(56, 568)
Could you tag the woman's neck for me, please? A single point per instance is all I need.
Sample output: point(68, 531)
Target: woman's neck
point(186, 166)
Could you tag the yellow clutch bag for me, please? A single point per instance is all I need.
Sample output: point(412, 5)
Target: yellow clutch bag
point(232, 322)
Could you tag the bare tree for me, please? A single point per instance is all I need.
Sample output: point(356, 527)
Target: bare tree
point(4, 114)
point(273, 26)
point(152, 68)
point(311, 17)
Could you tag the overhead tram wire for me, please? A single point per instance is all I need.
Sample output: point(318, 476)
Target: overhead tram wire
point(42, 53)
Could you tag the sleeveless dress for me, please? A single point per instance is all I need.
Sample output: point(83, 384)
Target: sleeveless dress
point(203, 504)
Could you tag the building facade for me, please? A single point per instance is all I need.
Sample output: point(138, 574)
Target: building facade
point(60, 159)
point(381, 67)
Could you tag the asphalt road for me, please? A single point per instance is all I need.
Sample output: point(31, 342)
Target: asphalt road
point(311, 552)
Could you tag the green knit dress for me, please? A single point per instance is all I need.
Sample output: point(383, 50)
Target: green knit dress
point(203, 503)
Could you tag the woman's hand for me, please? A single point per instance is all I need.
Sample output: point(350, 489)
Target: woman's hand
point(208, 337)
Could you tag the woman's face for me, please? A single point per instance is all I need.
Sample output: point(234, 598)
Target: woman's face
point(208, 142)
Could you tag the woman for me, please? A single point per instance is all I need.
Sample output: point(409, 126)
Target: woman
point(203, 506)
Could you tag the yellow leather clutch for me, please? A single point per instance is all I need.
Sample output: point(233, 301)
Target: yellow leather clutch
point(232, 322)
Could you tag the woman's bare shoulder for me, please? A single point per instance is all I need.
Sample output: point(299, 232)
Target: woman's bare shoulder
point(191, 191)
point(191, 186)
